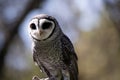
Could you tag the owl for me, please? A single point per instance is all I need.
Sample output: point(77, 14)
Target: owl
point(52, 49)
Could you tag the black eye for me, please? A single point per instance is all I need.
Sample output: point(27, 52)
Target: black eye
point(33, 26)
point(46, 25)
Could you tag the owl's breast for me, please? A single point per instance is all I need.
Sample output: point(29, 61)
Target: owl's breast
point(49, 55)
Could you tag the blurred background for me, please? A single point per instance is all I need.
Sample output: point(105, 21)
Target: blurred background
point(93, 27)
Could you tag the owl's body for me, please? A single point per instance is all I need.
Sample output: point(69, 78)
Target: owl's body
point(55, 54)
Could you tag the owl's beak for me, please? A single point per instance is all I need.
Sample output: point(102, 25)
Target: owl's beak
point(40, 32)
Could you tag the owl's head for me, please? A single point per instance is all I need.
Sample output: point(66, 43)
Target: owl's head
point(42, 27)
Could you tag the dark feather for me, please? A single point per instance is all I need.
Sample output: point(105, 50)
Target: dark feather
point(69, 57)
point(41, 66)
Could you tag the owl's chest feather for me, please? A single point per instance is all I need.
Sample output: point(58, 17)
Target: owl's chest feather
point(48, 53)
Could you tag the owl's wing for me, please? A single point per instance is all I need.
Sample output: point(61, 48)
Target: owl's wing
point(69, 57)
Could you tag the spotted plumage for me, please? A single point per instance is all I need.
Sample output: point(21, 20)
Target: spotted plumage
point(52, 49)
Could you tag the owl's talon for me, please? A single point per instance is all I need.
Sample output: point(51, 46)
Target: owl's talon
point(45, 79)
point(35, 78)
